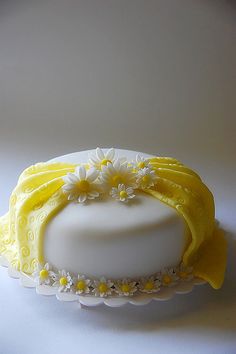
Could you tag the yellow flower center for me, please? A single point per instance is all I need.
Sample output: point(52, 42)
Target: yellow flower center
point(145, 179)
point(125, 288)
point(166, 279)
point(183, 274)
point(117, 180)
point(105, 162)
point(43, 274)
point(123, 194)
point(84, 185)
point(81, 285)
point(103, 288)
point(63, 281)
point(141, 164)
point(149, 285)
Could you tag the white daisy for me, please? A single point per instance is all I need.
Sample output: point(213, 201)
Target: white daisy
point(100, 158)
point(81, 285)
point(44, 274)
point(125, 287)
point(118, 173)
point(184, 273)
point(149, 285)
point(102, 287)
point(168, 277)
point(140, 162)
point(122, 193)
point(63, 281)
point(146, 178)
point(81, 185)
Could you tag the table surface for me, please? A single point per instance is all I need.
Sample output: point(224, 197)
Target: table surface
point(154, 76)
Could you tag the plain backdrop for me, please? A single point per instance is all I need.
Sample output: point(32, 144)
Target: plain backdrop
point(155, 76)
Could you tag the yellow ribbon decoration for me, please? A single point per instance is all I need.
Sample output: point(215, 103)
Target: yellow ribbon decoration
point(38, 196)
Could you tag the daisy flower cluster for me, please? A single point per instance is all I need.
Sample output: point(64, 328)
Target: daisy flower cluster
point(63, 281)
point(105, 173)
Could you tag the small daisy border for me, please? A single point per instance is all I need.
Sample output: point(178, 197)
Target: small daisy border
point(114, 288)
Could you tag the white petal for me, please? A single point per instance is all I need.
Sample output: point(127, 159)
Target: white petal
point(81, 172)
point(129, 190)
point(47, 266)
point(100, 154)
point(66, 179)
point(116, 164)
point(93, 194)
point(114, 193)
point(68, 187)
point(72, 177)
point(124, 168)
point(138, 158)
point(82, 198)
point(122, 160)
point(90, 197)
point(93, 160)
point(121, 187)
point(105, 178)
point(92, 174)
point(71, 197)
point(110, 154)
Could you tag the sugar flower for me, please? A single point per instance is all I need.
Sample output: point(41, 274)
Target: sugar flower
point(102, 287)
point(43, 275)
point(63, 281)
point(81, 285)
point(168, 277)
point(122, 193)
point(184, 273)
point(149, 285)
point(125, 287)
point(118, 173)
point(81, 185)
point(146, 178)
point(140, 162)
point(100, 158)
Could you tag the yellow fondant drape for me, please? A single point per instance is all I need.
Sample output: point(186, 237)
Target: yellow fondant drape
point(38, 196)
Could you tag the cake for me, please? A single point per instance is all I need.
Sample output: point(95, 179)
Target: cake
point(108, 222)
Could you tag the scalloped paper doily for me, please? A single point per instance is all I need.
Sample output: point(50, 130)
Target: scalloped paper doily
point(164, 294)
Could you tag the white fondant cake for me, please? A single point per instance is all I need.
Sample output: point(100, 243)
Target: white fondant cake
point(112, 239)
point(112, 223)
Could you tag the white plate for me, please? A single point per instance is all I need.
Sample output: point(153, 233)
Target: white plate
point(164, 294)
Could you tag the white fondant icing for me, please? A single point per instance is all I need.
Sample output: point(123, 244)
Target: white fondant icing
point(113, 239)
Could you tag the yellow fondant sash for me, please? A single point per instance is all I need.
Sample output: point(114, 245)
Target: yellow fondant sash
point(38, 197)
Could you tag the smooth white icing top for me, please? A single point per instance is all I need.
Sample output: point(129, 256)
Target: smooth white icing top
point(113, 239)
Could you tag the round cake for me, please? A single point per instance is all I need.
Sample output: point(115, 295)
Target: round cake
point(108, 222)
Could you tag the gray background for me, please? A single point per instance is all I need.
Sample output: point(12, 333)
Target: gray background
point(155, 76)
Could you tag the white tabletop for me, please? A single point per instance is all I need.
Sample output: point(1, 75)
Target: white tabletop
point(154, 76)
